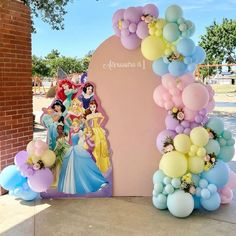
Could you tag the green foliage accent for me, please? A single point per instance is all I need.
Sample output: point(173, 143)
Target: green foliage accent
point(48, 66)
point(219, 43)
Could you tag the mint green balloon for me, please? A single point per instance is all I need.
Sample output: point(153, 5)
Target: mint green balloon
point(216, 125)
point(171, 32)
point(212, 147)
point(158, 177)
point(173, 13)
point(159, 204)
point(226, 153)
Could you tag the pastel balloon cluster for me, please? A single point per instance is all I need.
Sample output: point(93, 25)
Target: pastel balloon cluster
point(131, 24)
point(31, 174)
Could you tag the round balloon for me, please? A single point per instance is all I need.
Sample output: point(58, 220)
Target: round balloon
point(171, 32)
point(173, 164)
point(216, 125)
point(180, 203)
point(212, 203)
point(173, 13)
point(212, 147)
point(195, 165)
point(182, 143)
point(163, 137)
point(195, 96)
point(226, 153)
point(20, 158)
point(152, 48)
point(199, 136)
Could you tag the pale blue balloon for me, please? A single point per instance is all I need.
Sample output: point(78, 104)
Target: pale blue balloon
point(212, 188)
point(173, 13)
point(158, 187)
point(216, 125)
point(158, 176)
point(167, 180)
point(211, 204)
point(191, 67)
point(176, 182)
point(169, 188)
point(212, 146)
point(180, 204)
point(196, 179)
point(159, 67)
point(177, 68)
point(218, 175)
point(171, 32)
point(226, 153)
point(222, 142)
point(29, 195)
point(198, 192)
point(188, 60)
point(203, 183)
point(199, 55)
point(186, 47)
point(158, 204)
point(191, 29)
point(11, 178)
point(205, 193)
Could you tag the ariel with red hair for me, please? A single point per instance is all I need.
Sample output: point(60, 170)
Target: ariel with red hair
point(67, 91)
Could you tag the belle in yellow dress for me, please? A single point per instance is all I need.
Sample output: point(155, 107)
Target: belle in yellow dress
point(94, 119)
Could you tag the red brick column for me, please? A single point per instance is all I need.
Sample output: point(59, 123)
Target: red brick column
point(16, 119)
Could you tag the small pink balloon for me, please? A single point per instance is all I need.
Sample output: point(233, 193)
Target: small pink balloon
point(177, 101)
point(159, 92)
point(131, 42)
point(187, 79)
point(226, 195)
point(142, 30)
point(168, 81)
point(38, 152)
point(174, 92)
point(41, 144)
point(232, 180)
point(167, 96)
point(132, 28)
point(189, 114)
point(168, 105)
point(195, 96)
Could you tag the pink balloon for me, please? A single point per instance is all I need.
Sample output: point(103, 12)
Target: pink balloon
point(167, 96)
point(38, 152)
point(132, 14)
point(168, 105)
point(226, 195)
point(21, 158)
point(41, 144)
point(118, 15)
point(189, 114)
point(232, 180)
point(177, 101)
point(41, 180)
point(186, 79)
point(150, 9)
point(131, 42)
point(142, 30)
point(159, 93)
point(168, 81)
point(195, 96)
point(174, 92)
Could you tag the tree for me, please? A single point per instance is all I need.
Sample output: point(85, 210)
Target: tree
point(40, 67)
point(53, 54)
point(219, 43)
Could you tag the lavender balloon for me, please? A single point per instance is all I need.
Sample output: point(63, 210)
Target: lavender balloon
point(150, 9)
point(142, 30)
point(41, 180)
point(133, 14)
point(118, 15)
point(162, 137)
point(131, 41)
point(20, 158)
point(171, 122)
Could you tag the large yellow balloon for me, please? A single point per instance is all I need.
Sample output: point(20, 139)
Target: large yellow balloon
point(173, 164)
point(152, 48)
point(195, 164)
point(182, 143)
point(199, 136)
point(48, 158)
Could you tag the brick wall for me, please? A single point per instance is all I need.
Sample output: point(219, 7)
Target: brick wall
point(16, 120)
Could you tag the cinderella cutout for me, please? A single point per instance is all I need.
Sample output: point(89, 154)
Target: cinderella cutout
point(75, 125)
point(79, 173)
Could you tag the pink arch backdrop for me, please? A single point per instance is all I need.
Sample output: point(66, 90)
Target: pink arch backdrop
point(125, 83)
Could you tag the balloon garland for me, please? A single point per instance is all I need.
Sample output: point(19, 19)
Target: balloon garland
point(193, 171)
point(31, 174)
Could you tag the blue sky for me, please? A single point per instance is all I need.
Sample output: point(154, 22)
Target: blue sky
point(88, 22)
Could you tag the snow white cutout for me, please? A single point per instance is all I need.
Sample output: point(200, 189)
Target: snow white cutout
point(87, 95)
point(79, 173)
point(94, 120)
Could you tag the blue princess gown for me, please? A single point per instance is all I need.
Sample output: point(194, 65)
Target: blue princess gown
point(79, 174)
